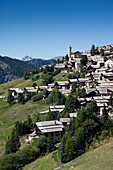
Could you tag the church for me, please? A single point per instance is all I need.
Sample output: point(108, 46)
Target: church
point(73, 55)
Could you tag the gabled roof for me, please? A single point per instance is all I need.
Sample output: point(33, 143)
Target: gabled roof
point(73, 115)
point(102, 69)
point(16, 90)
point(101, 101)
point(51, 85)
point(51, 129)
point(102, 104)
point(57, 107)
point(45, 111)
point(50, 126)
point(76, 52)
point(95, 66)
point(56, 110)
point(31, 89)
point(60, 66)
point(42, 87)
point(62, 83)
point(48, 123)
point(83, 79)
point(69, 66)
point(65, 120)
point(73, 80)
point(79, 80)
point(106, 84)
point(109, 61)
point(101, 97)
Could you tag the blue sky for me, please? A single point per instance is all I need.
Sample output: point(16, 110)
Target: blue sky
point(45, 28)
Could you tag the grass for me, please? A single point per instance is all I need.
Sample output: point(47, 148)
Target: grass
point(61, 77)
point(16, 112)
point(19, 83)
point(15, 83)
point(44, 163)
point(100, 158)
point(3, 104)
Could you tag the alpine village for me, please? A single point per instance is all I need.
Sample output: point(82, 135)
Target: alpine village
point(60, 115)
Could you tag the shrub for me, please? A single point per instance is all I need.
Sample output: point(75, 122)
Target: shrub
point(56, 72)
point(73, 75)
point(56, 97)
point(9, 162)
point(36, 77)
point(34, 85)
point(37, 97)
point(30, 153)
point(47, 78)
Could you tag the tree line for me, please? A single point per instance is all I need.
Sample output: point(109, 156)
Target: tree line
point(84, 131)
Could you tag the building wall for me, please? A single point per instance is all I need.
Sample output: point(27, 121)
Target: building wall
point(109, 64)
point(54, 136)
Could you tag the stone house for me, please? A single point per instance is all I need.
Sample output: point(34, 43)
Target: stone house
point(109, 63)
point(15, 92)
point(62, 85)
point(50, 129)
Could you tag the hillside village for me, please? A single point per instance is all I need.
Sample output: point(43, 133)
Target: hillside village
point(98, 85)
point(90, 74)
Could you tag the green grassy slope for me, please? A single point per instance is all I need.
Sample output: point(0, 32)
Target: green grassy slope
point(61, 77)
point(21, 83)
point(100, 158)
point(44, 163)
point(17, 112)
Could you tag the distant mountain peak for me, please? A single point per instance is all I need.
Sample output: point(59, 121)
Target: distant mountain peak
point(27, 58)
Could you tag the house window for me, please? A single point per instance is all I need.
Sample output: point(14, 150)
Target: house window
point(57, 133)
point(52, 133)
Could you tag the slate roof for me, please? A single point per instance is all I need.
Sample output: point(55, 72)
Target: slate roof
point(50, 126)
point(16, 90)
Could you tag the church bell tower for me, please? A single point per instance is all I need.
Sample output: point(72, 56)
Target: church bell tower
point(69, 52)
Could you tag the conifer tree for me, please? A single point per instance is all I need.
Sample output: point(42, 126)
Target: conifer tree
point(21, 99)
point(71, 104)
point(13, 143)
point(92, 50)
point(19, 128)
point(105, 113)
point(10, 98)
point(83, 61)
point(69, 149)
point(74, 86)
point(56, 97)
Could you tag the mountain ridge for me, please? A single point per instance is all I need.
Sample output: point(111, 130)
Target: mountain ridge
point(11, 69)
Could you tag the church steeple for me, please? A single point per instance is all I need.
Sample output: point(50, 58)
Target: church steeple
point(69, 52)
